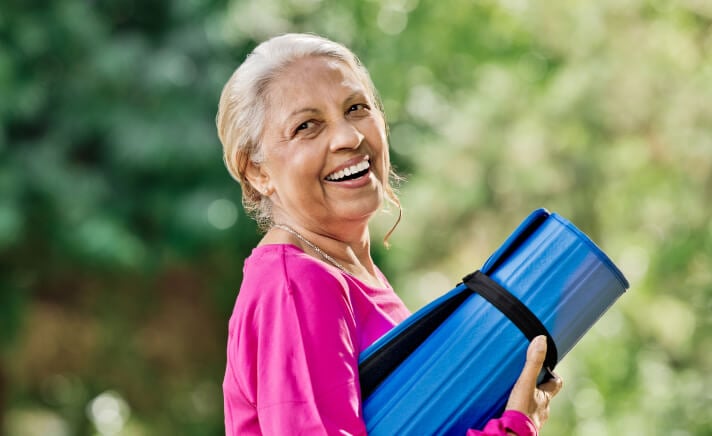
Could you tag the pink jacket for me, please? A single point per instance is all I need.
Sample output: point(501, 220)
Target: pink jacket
point(295, 335)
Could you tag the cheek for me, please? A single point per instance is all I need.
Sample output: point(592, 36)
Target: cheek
point(383, 152)
point(383, 164)
point(296, 160)
point(301, 175)
point(376, 136)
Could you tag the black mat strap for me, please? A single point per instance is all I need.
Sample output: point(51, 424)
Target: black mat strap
point(515, 310)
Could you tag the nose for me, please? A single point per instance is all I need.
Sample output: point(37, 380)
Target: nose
point(346, 136)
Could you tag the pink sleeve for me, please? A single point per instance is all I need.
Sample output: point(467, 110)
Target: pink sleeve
point(516, 422)
point(308, 358)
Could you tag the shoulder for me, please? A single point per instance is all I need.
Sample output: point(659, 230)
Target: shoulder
point(280, 262)
point(283, 268)
point(284, 288)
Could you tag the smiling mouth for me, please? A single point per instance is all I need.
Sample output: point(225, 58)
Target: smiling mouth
point(349, 173)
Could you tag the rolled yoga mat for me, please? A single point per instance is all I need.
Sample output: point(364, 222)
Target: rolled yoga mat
point(451, 365)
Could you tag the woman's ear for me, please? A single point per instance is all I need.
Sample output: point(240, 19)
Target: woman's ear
point(259, 178)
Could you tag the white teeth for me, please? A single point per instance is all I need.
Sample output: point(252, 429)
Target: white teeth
point(348, 171)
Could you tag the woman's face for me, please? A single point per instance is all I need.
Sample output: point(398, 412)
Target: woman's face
point(325, 147)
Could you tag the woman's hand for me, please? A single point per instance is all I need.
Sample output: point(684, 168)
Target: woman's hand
point(526, 396)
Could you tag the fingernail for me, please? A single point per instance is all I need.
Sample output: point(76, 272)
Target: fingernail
point(539, 342)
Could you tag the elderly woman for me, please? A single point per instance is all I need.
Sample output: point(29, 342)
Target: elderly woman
point(305, 136)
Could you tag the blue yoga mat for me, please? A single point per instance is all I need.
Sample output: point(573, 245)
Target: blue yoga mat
point(460, 371)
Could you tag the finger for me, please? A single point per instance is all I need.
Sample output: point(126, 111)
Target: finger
point(552, 386)
point(544, 396)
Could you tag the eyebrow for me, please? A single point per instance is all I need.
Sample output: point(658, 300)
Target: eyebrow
point(303, 110)
point(353, 96)
point(356, 95)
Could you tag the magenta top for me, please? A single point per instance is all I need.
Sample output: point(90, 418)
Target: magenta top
point(295, 335)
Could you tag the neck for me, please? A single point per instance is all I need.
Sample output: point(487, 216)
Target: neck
point(350, 253)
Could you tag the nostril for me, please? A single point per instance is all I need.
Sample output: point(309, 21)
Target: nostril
point(347, 136)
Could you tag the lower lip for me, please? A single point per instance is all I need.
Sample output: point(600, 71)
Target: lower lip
point(354, 183)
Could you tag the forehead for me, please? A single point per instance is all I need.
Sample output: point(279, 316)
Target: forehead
point(313, 82)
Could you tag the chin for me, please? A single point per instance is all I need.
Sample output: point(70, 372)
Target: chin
point(362, 211)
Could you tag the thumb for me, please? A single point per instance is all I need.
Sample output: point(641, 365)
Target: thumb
point(536, 355)
point(524, 387)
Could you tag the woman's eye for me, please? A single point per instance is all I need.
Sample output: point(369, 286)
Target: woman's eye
point(357, 107)
point(305, 125)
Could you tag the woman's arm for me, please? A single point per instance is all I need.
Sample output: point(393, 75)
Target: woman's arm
point(307, 358)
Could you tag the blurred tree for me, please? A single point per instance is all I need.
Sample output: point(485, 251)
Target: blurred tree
point(119, 228)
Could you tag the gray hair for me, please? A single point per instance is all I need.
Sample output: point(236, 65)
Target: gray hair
point(241, 111)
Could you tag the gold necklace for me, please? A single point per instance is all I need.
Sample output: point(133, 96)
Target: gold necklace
point(313, 246)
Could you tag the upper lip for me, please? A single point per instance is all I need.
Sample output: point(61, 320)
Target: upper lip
point(348, 163)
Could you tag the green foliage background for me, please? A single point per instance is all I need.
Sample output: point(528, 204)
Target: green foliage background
point(122, 239)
